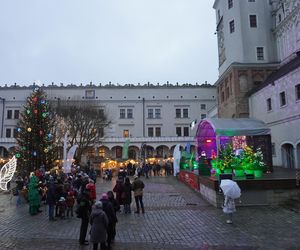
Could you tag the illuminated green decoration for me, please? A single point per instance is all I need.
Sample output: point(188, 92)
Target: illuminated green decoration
point(248, 161)
point(33, 140)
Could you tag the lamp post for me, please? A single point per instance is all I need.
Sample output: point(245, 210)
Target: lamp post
point(2, 119)
point(143, 148)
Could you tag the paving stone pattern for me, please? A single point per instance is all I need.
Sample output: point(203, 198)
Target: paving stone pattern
point(176, 218)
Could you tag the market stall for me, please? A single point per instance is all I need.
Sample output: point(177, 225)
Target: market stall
point(240, 143)
point(234, 147)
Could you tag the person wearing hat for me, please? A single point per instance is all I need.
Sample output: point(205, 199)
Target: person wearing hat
point(92, 189)
point(112, 218)
point(99, 225)
point(137, 187)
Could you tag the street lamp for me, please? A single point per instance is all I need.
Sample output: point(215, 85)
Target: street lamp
point(143, 148)
point(2, 119)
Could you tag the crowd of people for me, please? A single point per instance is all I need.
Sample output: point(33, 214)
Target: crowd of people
point(74, 194)
point(147, 170)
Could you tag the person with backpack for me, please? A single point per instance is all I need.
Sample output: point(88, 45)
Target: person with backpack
point(137, 187)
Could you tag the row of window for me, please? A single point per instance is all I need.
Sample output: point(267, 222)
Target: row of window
point(11, 132)
point(156, 132)
point(230, 3)
point(127, 113)
point(252, 23)
point(10, 113)
point(282, 98)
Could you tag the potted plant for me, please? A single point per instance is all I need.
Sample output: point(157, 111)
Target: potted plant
point(247, 160)
point(226, 156)
point(258, 163)
point(237, 166)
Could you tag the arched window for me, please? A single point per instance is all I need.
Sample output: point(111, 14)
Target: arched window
point(288, 158)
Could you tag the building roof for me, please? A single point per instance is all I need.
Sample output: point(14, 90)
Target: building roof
point(236, 126)
point(282, 71)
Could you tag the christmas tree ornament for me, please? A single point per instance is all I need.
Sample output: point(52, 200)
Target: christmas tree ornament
point(29, 129)
point(35, 111)
point(44, 115)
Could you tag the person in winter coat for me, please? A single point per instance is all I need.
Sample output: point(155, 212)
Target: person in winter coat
point(51, 197)
point(127, 196)
point(229, 208)
point(99, 225)
point(116, 206)
point(113, 201)
point(118, 189)
point(112, 218)
point(83, 212)
point(92, 189)
point(137, 187)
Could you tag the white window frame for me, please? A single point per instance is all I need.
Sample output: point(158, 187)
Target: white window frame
point(157, 113)
point(281, 99)
point(256, 21)
point(156, 134)
point(151, 128)
point(256, 51)
point(297, 92)
point(269, 104)
point(129, 113)
point(231, 21)
point(150, 114)
point(122, 114)
point(185, 115)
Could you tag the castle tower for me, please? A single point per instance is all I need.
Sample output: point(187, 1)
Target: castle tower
point(247, 52)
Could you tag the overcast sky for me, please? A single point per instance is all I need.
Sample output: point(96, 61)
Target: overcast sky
point(122, 41)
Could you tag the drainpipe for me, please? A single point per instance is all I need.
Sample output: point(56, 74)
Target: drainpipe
point(2, 120)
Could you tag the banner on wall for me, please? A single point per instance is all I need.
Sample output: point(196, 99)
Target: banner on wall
point(176, 156)
point(125, 150)
point(69, 159)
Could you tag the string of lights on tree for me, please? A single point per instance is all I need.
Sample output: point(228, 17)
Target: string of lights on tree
point(34, 133)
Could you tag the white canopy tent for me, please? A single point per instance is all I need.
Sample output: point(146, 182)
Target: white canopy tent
point(237, 126)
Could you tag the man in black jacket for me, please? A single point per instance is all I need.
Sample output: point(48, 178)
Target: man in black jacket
point(84, 210)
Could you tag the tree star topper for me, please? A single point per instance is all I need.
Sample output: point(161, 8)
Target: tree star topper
point(7, 172)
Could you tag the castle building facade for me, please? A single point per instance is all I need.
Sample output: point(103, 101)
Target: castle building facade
point(155, 118)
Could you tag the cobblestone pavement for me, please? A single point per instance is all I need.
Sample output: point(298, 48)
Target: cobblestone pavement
point(176, 218)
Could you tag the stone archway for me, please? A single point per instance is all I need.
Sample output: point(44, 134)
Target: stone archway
point(288, 157)
point(133, 152)
point(162, 151)
point(4, 152)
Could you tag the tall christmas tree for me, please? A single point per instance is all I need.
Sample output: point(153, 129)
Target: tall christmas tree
point(35, 138)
